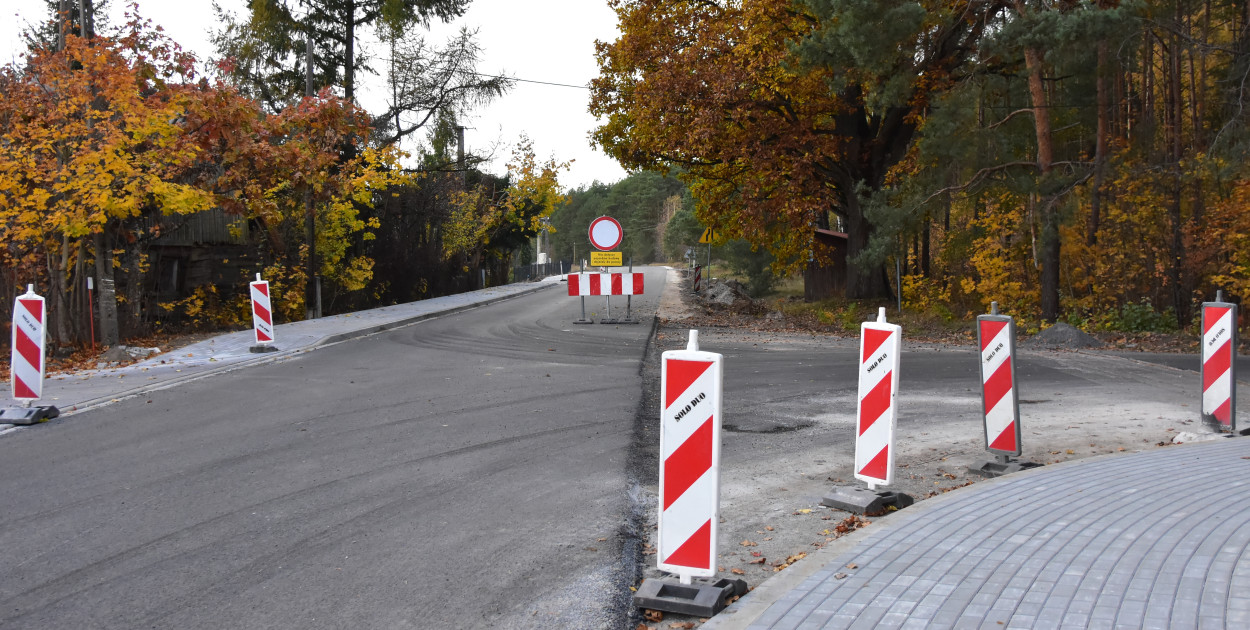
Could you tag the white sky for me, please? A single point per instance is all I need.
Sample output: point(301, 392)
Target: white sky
point(540, 40)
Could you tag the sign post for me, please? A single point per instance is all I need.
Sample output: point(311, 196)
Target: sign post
point(689, 501)
point(876, 416)
point(1219, 365)
point(262, 316)
point(1000, 402)
point(28, 362)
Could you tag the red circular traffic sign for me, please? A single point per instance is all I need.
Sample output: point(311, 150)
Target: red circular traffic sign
point(605, 233)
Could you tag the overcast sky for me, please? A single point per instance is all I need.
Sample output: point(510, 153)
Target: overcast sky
point(541, 40)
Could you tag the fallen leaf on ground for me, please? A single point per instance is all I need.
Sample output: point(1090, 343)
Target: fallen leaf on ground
point(652, 615)
point(747, 543)
point(737, 571)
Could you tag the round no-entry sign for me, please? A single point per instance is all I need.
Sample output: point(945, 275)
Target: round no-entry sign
point(605, 233)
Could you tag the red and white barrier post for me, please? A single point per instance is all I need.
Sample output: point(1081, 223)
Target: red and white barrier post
point(698, 278)
point(28, 362)
point(689, 461)
point(877, 415)
point(1000, 402)
point(880, 357)
point(262, 316)
point(689, 490)
point(1219, 365)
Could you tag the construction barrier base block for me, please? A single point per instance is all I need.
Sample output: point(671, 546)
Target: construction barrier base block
point(703, 597)
point(260, 349)
point(859, 500)
point(628, 320)
point(998, 467)
point(583, 321)
point(28, 415)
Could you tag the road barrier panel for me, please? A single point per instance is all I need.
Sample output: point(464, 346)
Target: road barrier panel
point(689, 490)
point(875, 420)
point(698, 278)
point(618, 283)
point(262, 316)
point(1219, 364)
point(1000, 400)
point(28, 363)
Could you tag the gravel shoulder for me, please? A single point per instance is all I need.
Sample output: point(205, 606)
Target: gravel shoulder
point(789, 423)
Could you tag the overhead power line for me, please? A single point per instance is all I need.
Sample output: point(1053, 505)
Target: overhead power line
point(567, 85)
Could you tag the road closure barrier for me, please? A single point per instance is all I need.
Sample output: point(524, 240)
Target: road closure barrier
point(27, 364)
point(1000, 401)
point(627, 283)
point(689, 501)
point(29, 346)
point(689, 461)
point(262, 316)
point(877, 413)
point(1000, 406)
point(1219, 369)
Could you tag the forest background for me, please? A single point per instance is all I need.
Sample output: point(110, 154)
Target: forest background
point(1070, 160)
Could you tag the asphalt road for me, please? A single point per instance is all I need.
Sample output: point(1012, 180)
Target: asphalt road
point(467, 471)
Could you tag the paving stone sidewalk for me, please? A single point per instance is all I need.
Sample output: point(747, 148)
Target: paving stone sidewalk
point(82, 390)
point(1156, 539)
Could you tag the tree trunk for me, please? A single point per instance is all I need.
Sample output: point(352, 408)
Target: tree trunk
point(862, 282)
point(107, 291)
point(349, 55)
point(1100, 147)
point(1048, 214)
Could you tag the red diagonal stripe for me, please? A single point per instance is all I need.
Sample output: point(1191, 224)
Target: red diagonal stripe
point(997, 385)
point(261, 336)
point(574, 284)
point(263, 289)
point(873, 338)
point(28, 349)
point(22, 390)
point(875, 403)
point(618, 286)
point(1222, 412)
point(679, 375)
point(1212, 314)
point(688, 463)
point(34, 307)
point(262, 311)
point(990, 330)
point(1217, 364)
point(594, 284)
point(1006, 441)
point(876, 467)
point(638, 284)
point(696, 552)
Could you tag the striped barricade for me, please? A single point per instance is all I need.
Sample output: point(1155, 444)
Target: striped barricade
point(28, 361)
point(262, 315)
point(1219, 369)
point(689, 461)
point(877, 413)
point(623, 283)
point(1000, 406)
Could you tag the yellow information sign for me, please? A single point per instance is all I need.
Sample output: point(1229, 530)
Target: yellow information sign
point(709, 235)
point(605, 259)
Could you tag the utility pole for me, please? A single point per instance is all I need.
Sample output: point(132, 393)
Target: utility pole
point(460, 157)
point(312, 296)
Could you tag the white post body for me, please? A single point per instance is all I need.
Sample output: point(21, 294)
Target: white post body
point(1219, 365)
point(262, 312)
point(29, 343)
point(690, 423)
point(877, 412)
point(1000, 403)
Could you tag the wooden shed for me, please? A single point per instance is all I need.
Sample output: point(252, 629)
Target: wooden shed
point(821, 282)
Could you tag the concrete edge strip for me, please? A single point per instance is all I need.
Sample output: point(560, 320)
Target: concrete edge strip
point(324, 341)
point(742, 613)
